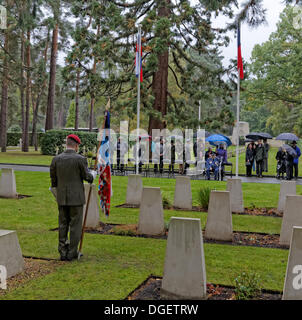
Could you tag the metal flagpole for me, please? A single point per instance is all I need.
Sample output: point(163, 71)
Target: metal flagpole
point(199, 113)
point(138, 94)
point(237, 124)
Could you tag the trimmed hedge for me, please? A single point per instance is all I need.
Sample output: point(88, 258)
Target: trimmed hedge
point(14, 137)
point(54, 139)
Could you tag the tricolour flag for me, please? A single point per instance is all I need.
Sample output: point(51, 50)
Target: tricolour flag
point(138, 60)
point(239, 63)
point(105, 187)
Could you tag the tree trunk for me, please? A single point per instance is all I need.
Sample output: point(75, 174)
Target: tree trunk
point(4, 96)
point(93, 93)
point(91, 114)
point(34, 139)
point(160, 83)
point(22, 89)
point(76, 122)
point(61, 112)
point(52, 80)
point(27, 96)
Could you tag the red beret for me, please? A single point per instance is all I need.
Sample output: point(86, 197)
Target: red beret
point(75, 138)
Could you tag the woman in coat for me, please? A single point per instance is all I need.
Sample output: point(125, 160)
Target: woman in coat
point(249, 160)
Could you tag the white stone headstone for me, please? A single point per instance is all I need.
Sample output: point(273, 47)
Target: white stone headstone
point(8, 184)
point(219, 222)
point(93, 216)
point(293, 280)
point(286, 188)
point(134, 189)
point(10, 253)
point(183, 193)
point(234, 186)
point(292, 216)
point(151, 214)
point(184, 272)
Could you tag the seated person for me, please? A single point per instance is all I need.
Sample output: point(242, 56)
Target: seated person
point(212, 164)
point(208, 153)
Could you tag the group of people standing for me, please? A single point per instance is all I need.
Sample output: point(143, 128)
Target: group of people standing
point(287, 163)
point(256, 157)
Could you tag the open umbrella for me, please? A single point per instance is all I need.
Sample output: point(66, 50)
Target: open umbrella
point(287, 137)
point(290, 150)
point(216, 139)
point(259, 135)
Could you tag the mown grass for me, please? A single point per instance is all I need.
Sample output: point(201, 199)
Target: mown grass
point(113, 266)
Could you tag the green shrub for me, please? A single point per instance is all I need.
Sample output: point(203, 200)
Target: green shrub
point(203, 197)
point(13, 138)
point(54, 140)
point(247, 286)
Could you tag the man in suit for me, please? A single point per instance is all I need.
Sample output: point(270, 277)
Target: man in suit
point(67, 172)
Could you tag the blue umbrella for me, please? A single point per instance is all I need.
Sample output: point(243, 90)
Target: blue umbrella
point(216, 139)
point(287, 137)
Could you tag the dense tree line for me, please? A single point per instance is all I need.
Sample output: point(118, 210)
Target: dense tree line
point(182, 63)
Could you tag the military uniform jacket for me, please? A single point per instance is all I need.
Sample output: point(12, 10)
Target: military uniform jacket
point(67, 172)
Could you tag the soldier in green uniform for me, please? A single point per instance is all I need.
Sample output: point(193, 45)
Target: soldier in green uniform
point(67, 172)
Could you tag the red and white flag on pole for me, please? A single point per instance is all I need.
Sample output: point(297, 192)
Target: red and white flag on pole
point(138, 60)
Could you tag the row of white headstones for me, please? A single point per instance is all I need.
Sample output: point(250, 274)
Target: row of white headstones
point(184, 271)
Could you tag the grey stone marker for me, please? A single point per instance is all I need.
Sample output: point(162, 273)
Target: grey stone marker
point(293, 280)
point(183, 193)
point(8, 184)
point(286, 188)
point(292, 217)
point(184, 271)
point(10, 253)
point(93, 216)
point(234, 186)
point(151, 214)
point(219, 223)
point(134, 189)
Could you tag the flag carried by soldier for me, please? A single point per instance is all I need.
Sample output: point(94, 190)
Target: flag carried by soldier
point(103, 162)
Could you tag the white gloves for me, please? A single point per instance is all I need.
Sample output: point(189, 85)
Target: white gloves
point(53, 191)
point(94, 173)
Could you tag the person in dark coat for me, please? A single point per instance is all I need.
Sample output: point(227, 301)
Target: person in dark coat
point(67, 172)
point(171, 166)
point(265, 160)
point(289, 163)
point(249, 160)
point(281, 160)
point(259, 158)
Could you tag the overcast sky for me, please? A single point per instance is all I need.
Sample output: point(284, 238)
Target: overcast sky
point(251, 37)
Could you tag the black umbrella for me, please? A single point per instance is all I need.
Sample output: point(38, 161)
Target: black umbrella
point(287, 137)
point(249, 140)
point(290, 150)
point(259, 135)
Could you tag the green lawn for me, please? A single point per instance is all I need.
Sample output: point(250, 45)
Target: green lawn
point(113, 266)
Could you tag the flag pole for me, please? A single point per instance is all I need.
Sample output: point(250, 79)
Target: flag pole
point(138, 95)
point(237, 124)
